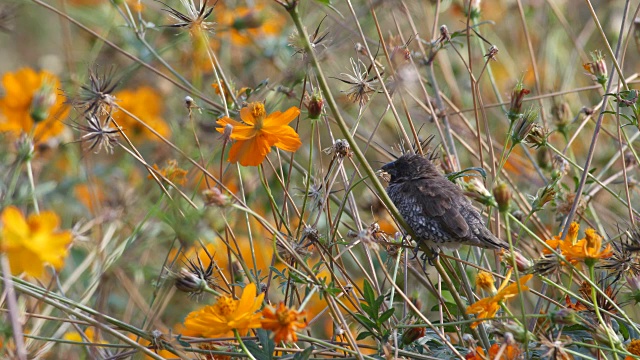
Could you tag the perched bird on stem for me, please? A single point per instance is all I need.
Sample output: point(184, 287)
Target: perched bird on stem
point(436, 209)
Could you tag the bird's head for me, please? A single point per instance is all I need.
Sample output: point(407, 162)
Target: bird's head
point(410, 167)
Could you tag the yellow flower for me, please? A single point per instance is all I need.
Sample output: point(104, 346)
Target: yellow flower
point(227, 314)
point(589, 248)
point(259, 132)
point(31, 104)
point(145, 104)
point(488, 307)
point(284, 322)
point(485, 281)
point(31, 243)
point(567, 245)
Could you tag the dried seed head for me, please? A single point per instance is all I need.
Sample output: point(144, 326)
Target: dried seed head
point(537, 137)
point(340, 149)
point(560, 167)
point(474, 188)
point(187, 281)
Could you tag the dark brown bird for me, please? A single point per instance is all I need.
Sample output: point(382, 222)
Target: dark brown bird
point(437, 211)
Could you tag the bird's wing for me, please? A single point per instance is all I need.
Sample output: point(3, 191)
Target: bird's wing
point(439, 200)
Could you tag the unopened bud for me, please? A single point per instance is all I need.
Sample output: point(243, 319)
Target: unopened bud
point(523, 126)
point(43, 100)
point(502, 194)
point(314, 106)
point(561, 115)
point(597, 68)
point(517, 95)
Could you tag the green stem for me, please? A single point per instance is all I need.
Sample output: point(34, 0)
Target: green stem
point(242, 345)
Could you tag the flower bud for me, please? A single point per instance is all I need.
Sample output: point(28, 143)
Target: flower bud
point(523, 264)
point(314, 106)
point(597, 67)
point(502, 194)
point(475, 189)
point(561, 115)
point(517, 96)
point(537, 137)
point(523, 126)
point(43, 100)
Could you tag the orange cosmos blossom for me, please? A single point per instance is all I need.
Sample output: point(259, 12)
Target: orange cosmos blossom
point(283, 322)
point(32, 104)
point(574, 250)
point(259, 132)
point(487, 308)
point(227, 314)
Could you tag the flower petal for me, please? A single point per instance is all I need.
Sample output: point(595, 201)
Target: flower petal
point(250, 152)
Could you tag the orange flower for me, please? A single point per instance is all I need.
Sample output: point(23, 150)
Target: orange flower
point(145, 104)
point(487, 308)
point(587, 249)
point(477, 354)
point(510, 352)
point(33, 242)
point(227, 314)
point(172, 172)
point(590, 248)
point(32, 105)
point(634, 348)
point(259, 132)
point(284, 322)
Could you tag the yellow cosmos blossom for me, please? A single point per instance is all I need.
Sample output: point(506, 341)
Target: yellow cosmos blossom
point(284, 322)
point(146, 104)
point(575, 251)
point(259, 132)
point(227, 314)
point(487, 308)
point(31, 104)
point(590, 248)
point(485, 281)
point(33, 242)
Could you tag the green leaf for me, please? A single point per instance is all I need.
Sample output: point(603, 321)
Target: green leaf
point(305, 354)
point(363, 335)
point(369, 296)
point(386, 315)
point(268, 345)
point(256, 350)
point(366, 322)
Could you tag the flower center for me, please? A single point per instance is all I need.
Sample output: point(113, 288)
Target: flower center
point(226, 305)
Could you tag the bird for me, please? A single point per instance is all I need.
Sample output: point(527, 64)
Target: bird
point(436, 209)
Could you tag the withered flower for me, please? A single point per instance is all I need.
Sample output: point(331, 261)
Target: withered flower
point(362, 86)
point(97, 133)
point(194, 19)
point(96, 97)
